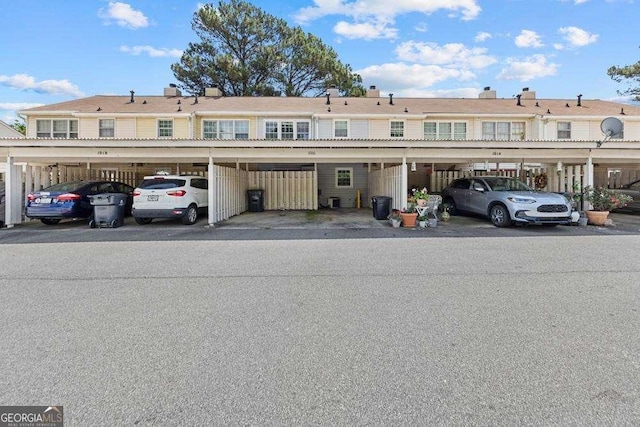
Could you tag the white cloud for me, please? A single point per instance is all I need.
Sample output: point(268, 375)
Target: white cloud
point(152, 51)
point(577, 37)
point(454, 54)
point(482, 36)
point(575, 1)
point(18, 105)
point(527, 69)
point(52, 87)
point(464, 92)
point(366, 31)
point(528, 38)
point(381, 13)
point(124, 15)
point(401, 76)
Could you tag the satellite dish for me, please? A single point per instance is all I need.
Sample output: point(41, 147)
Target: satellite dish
point(611, 126)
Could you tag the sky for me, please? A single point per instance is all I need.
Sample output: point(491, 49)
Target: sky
point(59, 50)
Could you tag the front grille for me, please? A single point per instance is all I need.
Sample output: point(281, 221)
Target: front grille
point(553, 208)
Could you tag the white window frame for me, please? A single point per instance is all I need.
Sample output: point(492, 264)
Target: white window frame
point(68, 134)
point(158, 128)
point(335, 128)
point(391, 129)
point(297, 132)
point(218, 132)
point(338, 177)
point(565, 131)
point(104, 128)
point(453, 135)
point(503, 131)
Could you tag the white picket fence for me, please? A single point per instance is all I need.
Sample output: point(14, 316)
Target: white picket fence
point(286, 190)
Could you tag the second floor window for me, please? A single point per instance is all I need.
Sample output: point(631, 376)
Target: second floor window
point(286, 129)
point(509, 131)
point(107, 128)
point(225, 129)
point(340, 129)
point(445, 130)
point(564, 130)
point(396, 129)
point(57, 128)
point(165, 128)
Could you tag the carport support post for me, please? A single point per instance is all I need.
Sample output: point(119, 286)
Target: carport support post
point(588, 179)
point(211, 212)
point(11, 176)
point(405, 182)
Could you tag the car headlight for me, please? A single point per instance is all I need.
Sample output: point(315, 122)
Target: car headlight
point(520, 200)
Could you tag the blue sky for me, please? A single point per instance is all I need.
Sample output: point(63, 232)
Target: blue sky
point(57, 50)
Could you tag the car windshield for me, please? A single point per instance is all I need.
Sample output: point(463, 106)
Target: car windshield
point(66, 186)
point(507, 184)
point(161, 183)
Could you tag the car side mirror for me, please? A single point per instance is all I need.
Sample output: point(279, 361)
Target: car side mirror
point(478, 188)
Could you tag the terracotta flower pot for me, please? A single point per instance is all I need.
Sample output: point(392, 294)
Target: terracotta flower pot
point(409, 219)
point(597, 217)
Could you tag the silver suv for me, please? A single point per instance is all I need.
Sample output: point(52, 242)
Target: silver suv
point(170, 196)
point(506, 201)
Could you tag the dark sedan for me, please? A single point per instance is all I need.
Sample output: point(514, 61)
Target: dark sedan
point(70, 200)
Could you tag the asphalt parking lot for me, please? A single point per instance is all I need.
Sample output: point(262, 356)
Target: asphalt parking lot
point(288, 225)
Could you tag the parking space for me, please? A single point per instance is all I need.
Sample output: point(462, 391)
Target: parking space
point(288, 225)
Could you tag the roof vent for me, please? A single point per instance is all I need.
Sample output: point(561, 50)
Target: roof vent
point(518, 103)
point(390, 99)
point(328, 95)
point(580, 100)
point(132, 99)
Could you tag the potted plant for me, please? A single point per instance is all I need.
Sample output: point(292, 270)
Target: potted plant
point(422, 221)
point(394, 218)
point(602, 201)
point(420, 196)
point(409, 216)
point(445, 216)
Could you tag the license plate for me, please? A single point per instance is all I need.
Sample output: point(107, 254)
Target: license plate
point(43, 200)
point(152, 198)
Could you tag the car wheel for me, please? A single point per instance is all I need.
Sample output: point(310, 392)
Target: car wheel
point(190, 216)
point(500, 216)
point(49, 221)
point(453, 209)
point(143, 221)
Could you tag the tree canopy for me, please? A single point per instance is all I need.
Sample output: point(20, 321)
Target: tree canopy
point(245, 51)
point(20, 126)
point(630, 73)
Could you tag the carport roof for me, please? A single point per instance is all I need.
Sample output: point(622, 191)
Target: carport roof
point(348, 106)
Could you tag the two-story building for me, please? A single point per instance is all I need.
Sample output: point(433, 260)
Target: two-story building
point(307, 153)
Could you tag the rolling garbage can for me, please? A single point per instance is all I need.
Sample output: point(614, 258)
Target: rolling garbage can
point(381, 206)
point(108, 210)
point(256, 200)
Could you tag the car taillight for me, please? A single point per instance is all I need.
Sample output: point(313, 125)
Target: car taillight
point(68, 197)
point(177, 193)
point(136, 193)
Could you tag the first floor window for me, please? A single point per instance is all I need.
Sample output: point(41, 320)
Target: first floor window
point(165, 128)
point(344, 177)
point(397, 129)
point(107, 128)
point(564, 130)
point(56, 128)
point(286, 129)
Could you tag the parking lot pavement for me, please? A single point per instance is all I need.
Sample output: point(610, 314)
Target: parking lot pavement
point(289, 225)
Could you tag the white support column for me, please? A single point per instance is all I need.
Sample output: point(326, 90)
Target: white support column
point(212, 194)
point(13, 209)
point(405, 182)
point(588, 178)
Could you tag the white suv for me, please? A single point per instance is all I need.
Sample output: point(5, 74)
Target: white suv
point(170, 196)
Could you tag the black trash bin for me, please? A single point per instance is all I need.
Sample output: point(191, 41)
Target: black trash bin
point(108, 210)
point(381, 206)
point(256, 200)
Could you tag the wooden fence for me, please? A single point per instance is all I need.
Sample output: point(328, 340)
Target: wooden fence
point(286, 190)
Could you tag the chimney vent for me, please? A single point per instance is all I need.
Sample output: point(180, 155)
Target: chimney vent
point(580, 100)
point(333, 91)
point(132, 99)
point(519, 103)
point(525, 89)
point(391, 99)
point(328, 95)
point(172, 90)
point(487, 88)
